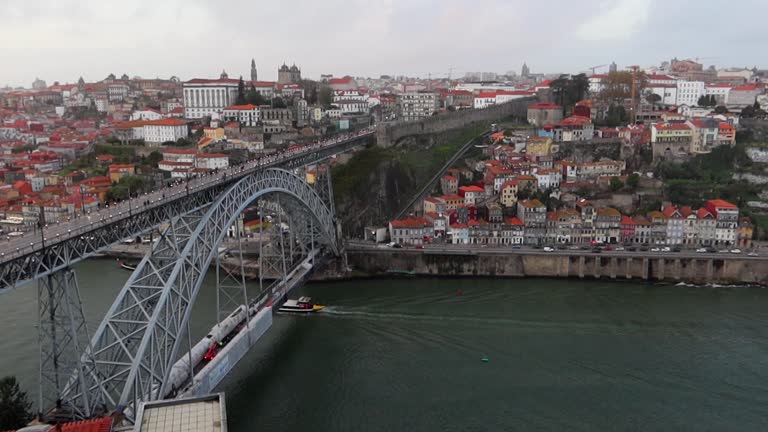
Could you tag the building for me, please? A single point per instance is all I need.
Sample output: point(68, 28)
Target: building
point(573, 128)
point(719, 91)
point(254, 73)
point(689, 92)
point(118, 171)
point(607, 225)
point(543, 113)
point(744, 95)
point(508, 193)
point(165, 130)
point(410, 231)
point(414, 106)
point(705, 134)
point(671, 141)
point(675, 225)
point(727, 221)
point(449, 184)
point(288, 75)
point(211, 161)
point(246, 115)
point(205, 97)
point(533, 214)
point(472, 194)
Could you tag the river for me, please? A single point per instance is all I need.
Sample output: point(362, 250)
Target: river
point(406, 355)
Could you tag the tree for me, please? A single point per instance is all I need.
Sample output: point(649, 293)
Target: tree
point(633, 180)
point(325, 96)
point(240, 92)
point(703, 101)
point(154, 158)
point(278, 102)
point(617, 86)
point(14, 406)
point(253, 97)
point(616, 184)
point(748, 111)
point(712, 101)
point(653, 99)
point(721, 109)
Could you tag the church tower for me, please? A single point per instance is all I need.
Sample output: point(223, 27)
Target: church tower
point(526, 71)
point(254, 75)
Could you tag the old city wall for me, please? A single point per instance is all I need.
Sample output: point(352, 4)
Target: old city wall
point(389, 134)
point(692, 270)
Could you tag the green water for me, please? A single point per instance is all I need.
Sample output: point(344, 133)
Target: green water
point(407, 354)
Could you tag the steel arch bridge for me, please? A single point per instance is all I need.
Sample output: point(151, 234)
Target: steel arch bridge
point(135, 346)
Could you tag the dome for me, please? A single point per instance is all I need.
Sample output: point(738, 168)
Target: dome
point(294, 68)
point(284, 68)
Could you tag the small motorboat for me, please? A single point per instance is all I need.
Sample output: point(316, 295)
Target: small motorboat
point(126, 266)
point(301, 306)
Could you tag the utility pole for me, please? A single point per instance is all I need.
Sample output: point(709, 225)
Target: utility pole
point(634, 93)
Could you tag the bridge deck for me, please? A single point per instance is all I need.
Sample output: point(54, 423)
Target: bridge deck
point(59, 245)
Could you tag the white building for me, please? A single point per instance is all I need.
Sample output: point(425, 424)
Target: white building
point(667, 92)
point(247, 115)
point(266, 89)
point(720, 91)
point(654, 79)
point(689, 92)
point(484, 100)
point(146, 114)
point(352, 106)
point(211, 161)
point(160, 131)
point(204, 97)
point(416, 105)
point(344, 95)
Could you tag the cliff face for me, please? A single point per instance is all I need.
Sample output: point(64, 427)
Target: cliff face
point(378, 182)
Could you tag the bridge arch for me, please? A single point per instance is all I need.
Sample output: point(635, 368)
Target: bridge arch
point(137, 342)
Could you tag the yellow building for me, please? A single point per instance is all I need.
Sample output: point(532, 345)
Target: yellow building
point(215, 134)
point(508, 193)
point(538, 146)
point(118, 171)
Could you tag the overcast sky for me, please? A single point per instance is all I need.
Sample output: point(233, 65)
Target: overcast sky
point(64, 39)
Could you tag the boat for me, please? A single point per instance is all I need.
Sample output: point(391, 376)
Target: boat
point(126, 266)
point(302, 305)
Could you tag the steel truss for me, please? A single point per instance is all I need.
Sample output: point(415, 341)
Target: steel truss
point(231, 290)
point(137, 343)
point(17, 267)
point(63, 337)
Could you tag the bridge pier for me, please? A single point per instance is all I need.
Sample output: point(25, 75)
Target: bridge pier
point(628, 267)
point(614, 264)
point(63, 337)
point(582, 261)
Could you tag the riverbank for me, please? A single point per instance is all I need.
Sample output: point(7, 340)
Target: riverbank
point(372, 263)
point(699, 270)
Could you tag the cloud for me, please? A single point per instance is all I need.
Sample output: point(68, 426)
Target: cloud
point(61, 40)
point(616, 20)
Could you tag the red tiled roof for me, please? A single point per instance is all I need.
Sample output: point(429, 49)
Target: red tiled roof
point(718, 203)
point(411, 222)
point(514, 221)
point(212, 81)
point(340, 80)
point(545, 105)
point(247, 107)
point(671, 126)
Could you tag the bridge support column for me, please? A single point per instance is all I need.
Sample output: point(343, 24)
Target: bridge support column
point(628, 267)
point(231, 291)
point(65, 354)
point(582, 260)
point(614, 264)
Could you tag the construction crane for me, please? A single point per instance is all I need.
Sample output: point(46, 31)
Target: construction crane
point(593, 68)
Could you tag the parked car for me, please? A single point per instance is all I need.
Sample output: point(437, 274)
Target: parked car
point(574, 247)
point(666, 249)
point(619, 249)
point(608, 248)
point(517, 247)
point(596, 250)
point(419, 246)
point(548, 249)
point(735, 251)
point(655, 250)
point(753, 254)
point(701, 250)
point(397, 246)
point(723, 251)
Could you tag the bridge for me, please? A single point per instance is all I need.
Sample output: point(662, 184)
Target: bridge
point(135, 353)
